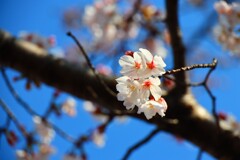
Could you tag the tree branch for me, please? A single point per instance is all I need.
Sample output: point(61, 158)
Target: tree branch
point(176, 43)
point(194, 123)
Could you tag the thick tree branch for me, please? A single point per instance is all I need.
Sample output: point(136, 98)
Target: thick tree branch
point(185, 117)
point(176, 42)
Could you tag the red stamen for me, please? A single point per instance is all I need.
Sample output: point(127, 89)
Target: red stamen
point(151, 65)
point(147, 84)
point(137, 65)
point(129, 53)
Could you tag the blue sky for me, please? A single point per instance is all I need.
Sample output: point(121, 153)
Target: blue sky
point(44, 17)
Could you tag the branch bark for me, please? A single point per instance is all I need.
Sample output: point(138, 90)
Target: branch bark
point(185, 118)
point(172, 23)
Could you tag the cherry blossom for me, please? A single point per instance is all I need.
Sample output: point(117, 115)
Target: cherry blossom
point(98, 136)
point(23, 155)
point(154, 65)
point(140, 85)
point(129, 91)
point(69, 107)
point(148, 11)
point(45, 150)
point(222, 7)
point(142, 64)
point(44, 130)
point(101, 18)
point(151, 86)
point(106, 22)
point(95, 110)
point(150, 108)
point(132, 66)
point(227, 31)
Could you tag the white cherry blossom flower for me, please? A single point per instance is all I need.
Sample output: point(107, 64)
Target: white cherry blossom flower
point(23, 155)
point(98, 138)
point(44, 130)
point(227, 31)
point(142, 64)
point(45, 150)
point(132, 66)
point(150, 108)
point(151, 86)
point(222, 7)
point(69, 107)
point(154, 66)
point(95, 111)
point(128, 91)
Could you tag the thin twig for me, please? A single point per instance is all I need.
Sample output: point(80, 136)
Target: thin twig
point(187, 68)
point(15, 94)
point(199, 155)
point(214, 112)
point(140, 143)
point(59, 131)
point(50, 109)
point(135, 8)
point(13, 117)
point(63, 134)
point(91, 66)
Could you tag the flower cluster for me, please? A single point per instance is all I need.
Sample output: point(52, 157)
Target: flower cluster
point(45, 150)
point(228, 30)
point(106, 23)
point(140, 85)
point(44, 130)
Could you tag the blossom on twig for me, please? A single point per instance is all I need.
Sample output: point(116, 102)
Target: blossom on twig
point(44, 130)
point(69, 107)
point(140, 85)
point(227, 32)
